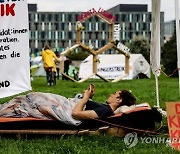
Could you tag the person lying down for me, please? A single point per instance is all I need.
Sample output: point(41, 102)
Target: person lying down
point(67, 110)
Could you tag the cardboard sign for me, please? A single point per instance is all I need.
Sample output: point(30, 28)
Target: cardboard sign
point(173, 117)
point(14, 47)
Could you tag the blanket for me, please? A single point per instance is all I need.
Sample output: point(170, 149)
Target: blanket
point(43, 106)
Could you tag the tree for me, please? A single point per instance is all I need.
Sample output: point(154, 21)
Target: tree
point(81, 54)
point(169, 56)
point(140, 45)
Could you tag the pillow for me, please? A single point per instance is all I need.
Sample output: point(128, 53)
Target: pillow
point(125, 109)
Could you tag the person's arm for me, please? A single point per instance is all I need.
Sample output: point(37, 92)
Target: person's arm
point(79, 113)
point(56, 58)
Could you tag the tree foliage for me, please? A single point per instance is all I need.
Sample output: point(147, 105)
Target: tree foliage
point(140, 45)
point(169, 56)
point(81, 54)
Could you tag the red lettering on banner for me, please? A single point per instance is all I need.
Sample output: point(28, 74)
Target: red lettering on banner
point(172, 122)
point(173, 133)
point(177, 108)
point(92, 11)
point(7, 9)
point(10, 9)
point(2, 10)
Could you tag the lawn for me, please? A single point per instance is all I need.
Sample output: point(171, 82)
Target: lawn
point(143, 89)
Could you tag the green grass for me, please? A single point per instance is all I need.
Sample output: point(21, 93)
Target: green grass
point(143, 89)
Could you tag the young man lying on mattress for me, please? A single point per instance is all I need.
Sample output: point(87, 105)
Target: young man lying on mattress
point(68, 110)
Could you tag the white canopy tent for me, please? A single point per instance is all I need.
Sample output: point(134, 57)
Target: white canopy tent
point(112, 66)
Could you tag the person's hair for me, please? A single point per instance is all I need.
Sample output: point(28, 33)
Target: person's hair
point(127, 98)
point(46, 47)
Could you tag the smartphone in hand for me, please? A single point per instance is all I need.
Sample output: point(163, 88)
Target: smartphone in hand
point(92, 89)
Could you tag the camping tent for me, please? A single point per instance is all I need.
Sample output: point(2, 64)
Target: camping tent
point(40, 71)
point(112, 66)
point(37, 67)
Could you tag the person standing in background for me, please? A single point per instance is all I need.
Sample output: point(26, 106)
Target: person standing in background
point(49, 58)
point(67, 62)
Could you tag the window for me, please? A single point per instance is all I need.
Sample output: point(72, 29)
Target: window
point(96, 35)
point(49, 17)
point(123, 17)
point(62, 26)
point(63, 43)
point(144, 26)
point(56, 26)
point(69, 35)
point(43, 35)
point(130, 26)
point(90, 35)
point(43, 17)
point(56, 17)
point(36, 26)
point(103, 26)
point(69, 17)
point(103, 42)
point(117, 17)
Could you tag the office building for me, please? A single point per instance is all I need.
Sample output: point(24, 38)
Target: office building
point(58, 28)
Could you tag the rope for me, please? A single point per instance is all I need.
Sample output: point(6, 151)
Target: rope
point(177, 69)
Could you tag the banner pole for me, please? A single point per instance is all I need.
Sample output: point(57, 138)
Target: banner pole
point(177, 37)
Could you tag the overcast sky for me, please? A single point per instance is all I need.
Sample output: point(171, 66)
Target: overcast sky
point(84, 5)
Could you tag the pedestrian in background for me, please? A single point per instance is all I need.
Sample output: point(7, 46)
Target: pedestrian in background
point(49, 58)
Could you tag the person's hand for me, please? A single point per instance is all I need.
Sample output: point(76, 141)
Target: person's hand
point(92, 89)
point(89, 93)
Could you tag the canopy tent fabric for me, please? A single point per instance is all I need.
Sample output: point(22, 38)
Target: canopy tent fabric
point(178, 36)
point(40, 71)
point(112, 66)
point(155, 38)
point(155, 44)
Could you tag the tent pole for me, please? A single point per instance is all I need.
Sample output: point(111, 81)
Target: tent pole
point(155, 53)
point(157, 91)
point(177, 37)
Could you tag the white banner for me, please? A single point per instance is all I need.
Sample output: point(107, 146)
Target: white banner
point(112, 71)
point(109, 71)
point(14, 48)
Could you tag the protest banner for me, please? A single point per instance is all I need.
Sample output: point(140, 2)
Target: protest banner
point(173, 117)
point(14, 48)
